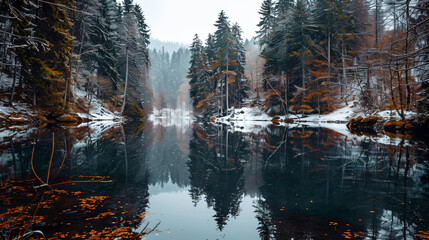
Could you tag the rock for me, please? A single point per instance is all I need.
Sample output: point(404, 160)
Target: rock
point(390, 125)
point(364, 125)
point(276, 119)
point(370, 121)
point(66, 118)
point(402, 125)
point(41, 119)
point(16, 120)
point(358, 119)
point(288, 120)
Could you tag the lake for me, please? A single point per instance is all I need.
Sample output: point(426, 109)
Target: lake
point(194, 180)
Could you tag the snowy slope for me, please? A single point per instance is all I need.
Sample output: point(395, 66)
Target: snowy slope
point(96, 110)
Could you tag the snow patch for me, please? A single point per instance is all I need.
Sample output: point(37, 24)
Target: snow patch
point(171, 117)
point(245, 114)
point(97, 112)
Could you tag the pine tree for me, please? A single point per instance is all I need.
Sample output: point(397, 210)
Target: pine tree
point(266, 23)
point(48, 71)
point(282, 7)
point(135, 60)
point(99, 48)
point(128, 6)
point(420, 24)
point(199, 73)
point(210, 48)
point(240, 86)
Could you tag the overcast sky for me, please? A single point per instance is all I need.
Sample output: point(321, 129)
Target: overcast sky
point(179, 20)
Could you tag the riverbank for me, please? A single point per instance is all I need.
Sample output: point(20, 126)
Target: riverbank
point(381, 126)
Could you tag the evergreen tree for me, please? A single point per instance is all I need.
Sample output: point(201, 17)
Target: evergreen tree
point(282, 7)
point(266, 23)
point(99, 48)
point(48, 71)
point(209, 49)
point(199, 73)
point(133, 59)
point(227, 68)
point(128, 6)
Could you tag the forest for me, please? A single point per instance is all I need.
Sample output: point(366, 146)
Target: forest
point(313, 125)
point(315, 57)
point(64, 56)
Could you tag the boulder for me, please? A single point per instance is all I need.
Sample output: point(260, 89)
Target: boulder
point(276, 119)
point(390, 125)
point(66, 118)
point(41, 119)
point(289, 120)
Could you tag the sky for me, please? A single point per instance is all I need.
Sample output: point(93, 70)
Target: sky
point(180, 20)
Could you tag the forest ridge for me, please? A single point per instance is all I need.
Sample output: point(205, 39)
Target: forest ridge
point(317, 56)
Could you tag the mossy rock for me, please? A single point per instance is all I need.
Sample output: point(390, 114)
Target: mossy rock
point(66, 118)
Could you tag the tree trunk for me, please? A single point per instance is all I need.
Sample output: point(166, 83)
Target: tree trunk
point(126, 82)
point(13, 83)
point(34, 96)
point(408, 106)
point(329, 68)
point(344, 73)
point(227, 90)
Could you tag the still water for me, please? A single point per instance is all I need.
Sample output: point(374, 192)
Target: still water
point(202, 181)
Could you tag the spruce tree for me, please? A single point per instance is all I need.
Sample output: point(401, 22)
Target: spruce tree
point(209, 49)
point(266, 23)
point(199, 73)
point(48, 71)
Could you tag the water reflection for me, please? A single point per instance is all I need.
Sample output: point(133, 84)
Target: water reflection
point(204, 181)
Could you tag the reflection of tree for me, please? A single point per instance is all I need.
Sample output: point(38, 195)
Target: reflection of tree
point(166, 160)
point(217, 168)
point(95, 208)
point(319, 182)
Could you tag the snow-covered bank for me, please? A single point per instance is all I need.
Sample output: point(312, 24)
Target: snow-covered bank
point(171, 117)
point(341, 115)
point(255, 120)
point(96, 111)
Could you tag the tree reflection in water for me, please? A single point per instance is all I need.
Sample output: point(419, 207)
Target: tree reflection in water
point(94, 195)
point(306, 183)
point(315, 182)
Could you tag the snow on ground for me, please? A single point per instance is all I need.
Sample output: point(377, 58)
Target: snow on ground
point(171, 117)
point(245, 114)
point(343, 114)
point(255, 120)
point(97, 112)
point(255, 127)
point(388, 114)
point(17, 108)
